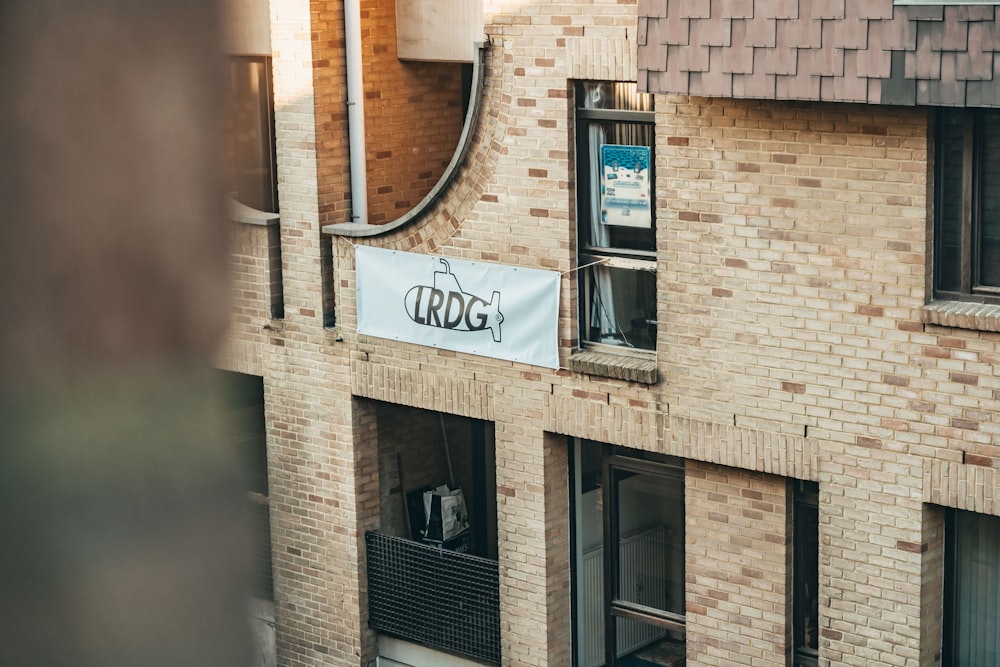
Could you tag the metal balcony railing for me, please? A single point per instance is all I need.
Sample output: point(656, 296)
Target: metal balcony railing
point(434, 597)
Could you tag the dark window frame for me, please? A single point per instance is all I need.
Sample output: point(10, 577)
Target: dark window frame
point(637, 250)
point(958, 278)
point(616, 607)
point(948, 617)
point(953, 560)
point(596, 467)
point(805, 572)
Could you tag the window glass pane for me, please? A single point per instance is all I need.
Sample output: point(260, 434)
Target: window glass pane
point(620, 95)
point(650, 540)
point(588, 508)
point(989, 200)
point(254, 177)
point(593, 231)
point(806, 572)
point(615, 213)
point(593, 133)
point(650, 543)
point(245, 402)
point(976, 613)
point(244, 396)
point(948, 255)
point(647, 646)
point(620, 307)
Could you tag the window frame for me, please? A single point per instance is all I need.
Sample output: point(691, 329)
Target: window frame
point(805, 499)
point(245, 414)
point(615, 606)
point(970, 204)
point(614, 257)
point(265, 158)
point(952, 561)
point(595, 468)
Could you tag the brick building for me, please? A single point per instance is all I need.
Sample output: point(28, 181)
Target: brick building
point(759, 249)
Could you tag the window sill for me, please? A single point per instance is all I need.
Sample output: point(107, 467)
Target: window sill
point(962, 315)
point(633, 368)
point(239, 212)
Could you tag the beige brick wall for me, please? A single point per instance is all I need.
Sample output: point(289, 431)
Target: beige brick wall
point(322, 444)
point(324, 491)
point(795, 268)
point(793, 244)
point(254, 293)
point(533, 541)
point(931, 586)
point(738, 581)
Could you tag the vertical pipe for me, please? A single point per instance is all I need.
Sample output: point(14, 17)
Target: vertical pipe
point(355, 111)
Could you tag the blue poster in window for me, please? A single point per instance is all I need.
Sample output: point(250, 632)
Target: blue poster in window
point(625, 186)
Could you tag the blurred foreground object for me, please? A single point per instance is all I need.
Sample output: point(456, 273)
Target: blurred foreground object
point(122, 535)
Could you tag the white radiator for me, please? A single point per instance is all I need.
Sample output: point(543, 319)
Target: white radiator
point(642, 563)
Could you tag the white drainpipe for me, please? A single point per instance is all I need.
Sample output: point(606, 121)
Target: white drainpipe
point(356, 111)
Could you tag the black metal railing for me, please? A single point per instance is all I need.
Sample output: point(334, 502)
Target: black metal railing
point(434, 597)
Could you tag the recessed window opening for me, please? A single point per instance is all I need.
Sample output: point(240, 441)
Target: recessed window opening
point(628, 557)
point(616, 215)
point(424, 453)
point(967, 205)
point(433, 575)
point(244, 396)
point(972, 589)
point(253, 171)
point(805, 574)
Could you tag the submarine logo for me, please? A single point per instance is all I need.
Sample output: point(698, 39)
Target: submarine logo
point(447, 306)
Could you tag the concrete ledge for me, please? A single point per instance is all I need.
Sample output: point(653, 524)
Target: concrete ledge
point(239, 212)
point(962, 315)
point(617, 366)
point(394, 652)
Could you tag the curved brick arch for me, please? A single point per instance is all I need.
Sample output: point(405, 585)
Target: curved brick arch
point(429, 229)
point(443, 220)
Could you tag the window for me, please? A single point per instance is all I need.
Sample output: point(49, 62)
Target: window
point(615, 213)
point(972, 589)
point(805, 575)
point(967, 205)
point(253, 175)
point(245, 402)
point(628, 543)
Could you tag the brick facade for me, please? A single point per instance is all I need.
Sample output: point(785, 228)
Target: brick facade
point(738, 576)
point(793, 269)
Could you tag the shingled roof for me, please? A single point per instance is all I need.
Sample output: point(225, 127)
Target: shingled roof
point(831, 50)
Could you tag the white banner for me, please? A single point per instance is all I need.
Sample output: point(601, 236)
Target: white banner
point(493, 310)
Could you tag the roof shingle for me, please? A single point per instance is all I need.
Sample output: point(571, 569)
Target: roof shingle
point(829, 50)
